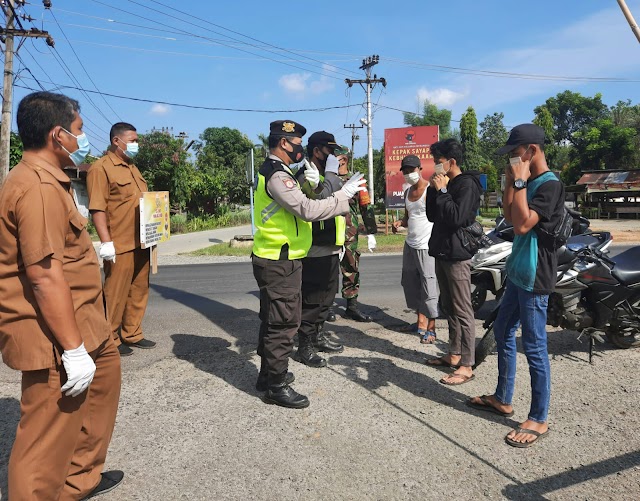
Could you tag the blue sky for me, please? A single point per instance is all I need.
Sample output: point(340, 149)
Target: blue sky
point(325, 42)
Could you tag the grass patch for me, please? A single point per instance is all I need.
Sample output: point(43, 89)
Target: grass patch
point(386, 243)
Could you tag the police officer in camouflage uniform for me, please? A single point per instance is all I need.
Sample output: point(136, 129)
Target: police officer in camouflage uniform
point(351, 260)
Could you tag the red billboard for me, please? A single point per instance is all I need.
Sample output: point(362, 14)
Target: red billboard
point(398, 143)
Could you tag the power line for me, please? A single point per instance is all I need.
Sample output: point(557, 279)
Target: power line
point(198, 107)
point(344, 70)
point(82, 65)
point(221, 43)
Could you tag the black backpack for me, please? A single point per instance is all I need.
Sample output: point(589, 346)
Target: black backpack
point(561, 232)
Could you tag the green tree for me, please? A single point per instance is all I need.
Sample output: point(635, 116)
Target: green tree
point(469, 138)
point(572, 113)
point(431, 115)
point(164, 164)
point(493, 182)
point(222, 154)
point(544, 119)
point(15, 150)
point(493, 135)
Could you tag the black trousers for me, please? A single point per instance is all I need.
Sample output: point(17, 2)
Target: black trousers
point(280, 310)
point(320, 281)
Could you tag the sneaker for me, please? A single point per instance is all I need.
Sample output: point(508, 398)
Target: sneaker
point(124, 350)
point(144, 344)
point(109, 481)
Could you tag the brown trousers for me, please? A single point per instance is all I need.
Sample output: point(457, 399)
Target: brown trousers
point(61, 442)
point(126, 291)
point(454, 279)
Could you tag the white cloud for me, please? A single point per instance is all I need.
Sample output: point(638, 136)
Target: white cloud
point(440, 97)
point(303, 84)
point(160, 109)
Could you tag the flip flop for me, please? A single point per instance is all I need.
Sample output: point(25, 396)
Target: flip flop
point(440, 362)
point(487, 406)
point(465, 379)
point(524, 445)
point(425, 335)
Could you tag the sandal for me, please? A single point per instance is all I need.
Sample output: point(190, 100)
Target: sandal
point(524, 445)
point(427, 337)
point(487, 405)
point(465, 379)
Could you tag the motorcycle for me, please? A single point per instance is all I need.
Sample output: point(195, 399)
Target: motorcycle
point(489, 263)
point(594, 294)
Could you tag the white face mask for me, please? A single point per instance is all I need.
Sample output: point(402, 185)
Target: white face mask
point(518, 160)
point(440, 168)
point(412, 178)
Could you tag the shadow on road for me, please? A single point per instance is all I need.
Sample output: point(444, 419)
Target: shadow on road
point(538, 488)
point(9, 417)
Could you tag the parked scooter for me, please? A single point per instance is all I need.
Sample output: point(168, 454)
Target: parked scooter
point(594, 294)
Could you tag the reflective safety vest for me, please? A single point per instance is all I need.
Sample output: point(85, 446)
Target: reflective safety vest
point(279, 234)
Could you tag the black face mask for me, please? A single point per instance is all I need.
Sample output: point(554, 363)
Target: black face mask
point(297, 154)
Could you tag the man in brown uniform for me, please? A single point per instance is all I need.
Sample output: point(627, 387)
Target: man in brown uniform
point(114, 184)
point(52, 319)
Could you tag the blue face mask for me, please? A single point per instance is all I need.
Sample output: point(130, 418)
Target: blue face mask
point(132, 150)
point(78, 156)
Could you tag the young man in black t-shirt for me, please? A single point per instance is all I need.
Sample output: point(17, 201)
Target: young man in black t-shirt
point(533, 199)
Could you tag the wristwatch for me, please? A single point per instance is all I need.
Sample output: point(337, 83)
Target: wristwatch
point(443, 190)
point(519, 184)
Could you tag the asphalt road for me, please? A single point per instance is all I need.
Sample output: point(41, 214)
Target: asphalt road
point(380, 426)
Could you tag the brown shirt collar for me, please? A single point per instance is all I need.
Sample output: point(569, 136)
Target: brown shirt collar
point(116, 160)
point(38, 163)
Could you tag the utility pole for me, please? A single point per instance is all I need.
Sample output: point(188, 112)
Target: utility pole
point(354, 138)
point(630, 19)
point(7, 35)
point(367, 84)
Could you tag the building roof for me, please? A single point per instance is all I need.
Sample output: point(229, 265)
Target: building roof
point(611, 180)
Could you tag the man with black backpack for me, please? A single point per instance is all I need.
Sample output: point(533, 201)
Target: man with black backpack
point(534, 203)
point(453, 200)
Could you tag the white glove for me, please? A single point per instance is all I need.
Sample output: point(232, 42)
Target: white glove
point(332, 164)
point(371, 242)
point(355, 184)
point(311, 173)
point(80, 369)
point(107, 251)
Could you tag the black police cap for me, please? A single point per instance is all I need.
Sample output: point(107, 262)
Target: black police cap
point(287, 128)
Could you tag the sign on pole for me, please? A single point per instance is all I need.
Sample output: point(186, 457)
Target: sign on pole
point(398, 143)
point(155, 226)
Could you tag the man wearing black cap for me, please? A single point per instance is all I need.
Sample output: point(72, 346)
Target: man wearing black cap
point(418, 267)
point(453, 200)
point(533, 202)
point(321, 267)
point(282, 215)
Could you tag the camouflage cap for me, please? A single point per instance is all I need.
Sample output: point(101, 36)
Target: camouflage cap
point(341, 150)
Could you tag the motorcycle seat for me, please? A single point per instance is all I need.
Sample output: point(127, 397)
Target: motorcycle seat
point(627, 266)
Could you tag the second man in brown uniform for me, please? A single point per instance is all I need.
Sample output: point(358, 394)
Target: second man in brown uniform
point(115, 185)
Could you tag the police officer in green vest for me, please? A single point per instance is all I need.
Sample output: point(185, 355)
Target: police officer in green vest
point(321, 267)
point(283, 236)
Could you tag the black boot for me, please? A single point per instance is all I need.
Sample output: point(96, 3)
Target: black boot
point(306, 354)
point(280, 393)
point(331, 316)
point(354, 313)
point(261, 384)
point(322, 341)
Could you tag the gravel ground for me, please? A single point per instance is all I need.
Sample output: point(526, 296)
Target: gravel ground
point(380, 426)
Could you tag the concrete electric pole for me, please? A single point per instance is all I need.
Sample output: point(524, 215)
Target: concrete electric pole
point(354, 138)
point(368, 84)
point(8, 33)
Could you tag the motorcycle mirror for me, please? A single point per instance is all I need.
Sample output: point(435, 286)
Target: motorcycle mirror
point(499, 202)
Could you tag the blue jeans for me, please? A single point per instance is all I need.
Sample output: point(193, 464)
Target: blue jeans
point(522, 307)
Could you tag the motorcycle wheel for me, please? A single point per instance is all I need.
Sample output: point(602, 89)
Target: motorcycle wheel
point(624, 342)
point(478, 296)
point(486, 346)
